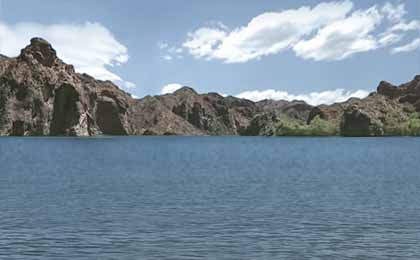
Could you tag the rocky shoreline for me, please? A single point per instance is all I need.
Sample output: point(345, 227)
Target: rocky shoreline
point(40, 95)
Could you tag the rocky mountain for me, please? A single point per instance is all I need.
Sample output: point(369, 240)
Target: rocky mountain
point(392, 110)
point(40, 95)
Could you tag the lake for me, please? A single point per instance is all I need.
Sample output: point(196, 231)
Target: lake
point(209, 198)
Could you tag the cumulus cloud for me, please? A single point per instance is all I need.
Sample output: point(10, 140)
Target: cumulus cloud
point(394, 12)
point(268, 33)
point(314, 98)
point(407, 26)
point(201, 43)
point(170, 88)
point(412, 46)
point(90, 47)
point(342, 38)
point(171, 52)
point(389, 38)
point(327, 31)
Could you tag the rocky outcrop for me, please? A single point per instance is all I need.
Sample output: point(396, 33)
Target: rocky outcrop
point(150, 116)
point(210, 113)
point(405, 93)
point(410, 93)
point(383, 113)
point(263, 124)
point(389, 90)
point(41, 95)
point(270, 113)
point(357, 122)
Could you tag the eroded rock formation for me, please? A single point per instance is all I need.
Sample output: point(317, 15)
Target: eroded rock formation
point(41, 95)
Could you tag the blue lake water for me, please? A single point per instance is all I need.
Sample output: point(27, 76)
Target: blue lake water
point(209, 198)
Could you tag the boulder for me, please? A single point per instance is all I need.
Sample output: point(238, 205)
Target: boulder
point(357, 122)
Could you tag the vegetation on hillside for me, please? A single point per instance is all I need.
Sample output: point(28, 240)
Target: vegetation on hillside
point(317, 127)
point(409, 127)
point(413, 124)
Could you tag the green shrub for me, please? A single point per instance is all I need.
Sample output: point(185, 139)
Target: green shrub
point(400, 130)
point(317, 127)
point(321, 127)
point(414, 124)
point(290, 128)
point(411, 127)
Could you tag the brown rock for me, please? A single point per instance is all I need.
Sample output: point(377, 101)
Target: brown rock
point(389, 90)
point(357, 122)
point(41, 95)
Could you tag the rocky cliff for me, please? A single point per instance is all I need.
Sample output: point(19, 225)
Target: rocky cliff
point(392, 110)
point(40, 95)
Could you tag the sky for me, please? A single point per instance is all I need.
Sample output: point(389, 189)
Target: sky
point(317, 51)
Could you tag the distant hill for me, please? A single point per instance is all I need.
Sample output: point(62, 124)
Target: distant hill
point(40, 95)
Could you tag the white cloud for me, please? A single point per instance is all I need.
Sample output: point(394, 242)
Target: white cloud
point(389, 38)
point(314, 98)
point(129, 85)
point(90, 47)
point(167, 57)
point(171, 52)
point(217, 24)
point(393, 12)
point(170, 88)
point(342, 38)
point(201, 43)
point(327, 31)
point(412, 46)
point(410, 26)
point(266, 34)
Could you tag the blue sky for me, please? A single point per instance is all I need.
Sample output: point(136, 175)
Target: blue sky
point(212, 46)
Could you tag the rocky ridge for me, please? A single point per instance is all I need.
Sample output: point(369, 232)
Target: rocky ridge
point(40, 95)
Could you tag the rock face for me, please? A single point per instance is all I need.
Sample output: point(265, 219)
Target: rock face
point(41, 95)
point(408, 93)
point(151, 117)
point(357, 122)
point(185, 112)
point(210, 113)
point(384, 112)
